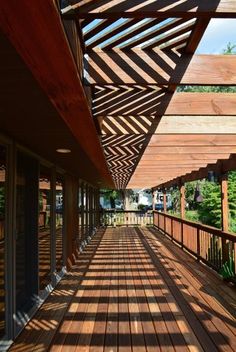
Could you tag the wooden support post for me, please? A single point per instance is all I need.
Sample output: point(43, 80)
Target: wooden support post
point(224, 215)
point(224, 203)
point(182, 210)
point(87, 210)
point(164, 201)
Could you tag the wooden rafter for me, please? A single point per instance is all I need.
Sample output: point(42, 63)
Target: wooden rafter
point(136, 56)
point(148, 68)
point(144, 101)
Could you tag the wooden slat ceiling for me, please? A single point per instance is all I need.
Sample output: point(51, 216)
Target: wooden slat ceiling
point(136, 54)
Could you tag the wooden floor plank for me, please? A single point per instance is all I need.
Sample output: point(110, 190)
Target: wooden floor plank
point(222, 336)
point(124, 341)
point(137, 293)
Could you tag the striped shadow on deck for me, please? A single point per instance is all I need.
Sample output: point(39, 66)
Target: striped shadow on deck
point(136, 292)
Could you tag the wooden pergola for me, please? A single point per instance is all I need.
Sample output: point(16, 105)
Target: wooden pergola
point(100, 78)
point(136, 55)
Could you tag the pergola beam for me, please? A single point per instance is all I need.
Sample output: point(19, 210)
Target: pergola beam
point(155, 67)
point(211, 104)
point(207, 104)
point(221, 167)
point(143, 9)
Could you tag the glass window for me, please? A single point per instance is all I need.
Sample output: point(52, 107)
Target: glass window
point(44, 227)
point(2, 237)
point(59, 222)
point(26, 233)
point(79, 211)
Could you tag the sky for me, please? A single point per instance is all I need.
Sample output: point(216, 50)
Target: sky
point(217, 35)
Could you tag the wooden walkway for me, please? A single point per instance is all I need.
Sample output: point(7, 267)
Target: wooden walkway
point(134, 290)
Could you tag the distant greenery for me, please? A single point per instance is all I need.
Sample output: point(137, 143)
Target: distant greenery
point(207, 89)
point(208, 211)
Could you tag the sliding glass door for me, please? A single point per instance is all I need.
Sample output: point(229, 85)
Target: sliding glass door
point(3, 166)
point(26, 257)
point(45, 226)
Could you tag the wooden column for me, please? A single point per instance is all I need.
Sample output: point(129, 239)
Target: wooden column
point(224, 203)
point(224, 215)
point(87, 211)
point(182, 211)
point(71, 218)
point(164, 201)
point(182, 201)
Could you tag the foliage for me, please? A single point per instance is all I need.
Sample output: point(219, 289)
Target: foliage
point(175, 198)
point(230, 49)
point(141, 207)
point(207, 89)
point(232, 200)
point(210, 209)
point(192, 215)
point(110, 195)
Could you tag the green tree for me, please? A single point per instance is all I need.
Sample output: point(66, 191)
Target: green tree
point(229, 50)
point(232, 200)
point(210, 208)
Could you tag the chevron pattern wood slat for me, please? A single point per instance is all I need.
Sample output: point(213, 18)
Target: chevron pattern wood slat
point(136, 53)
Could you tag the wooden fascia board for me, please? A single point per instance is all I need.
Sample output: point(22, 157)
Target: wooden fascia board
point(148, 68)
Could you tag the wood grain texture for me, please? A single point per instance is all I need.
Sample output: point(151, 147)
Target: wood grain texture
point(155, 67)
point(202, 104)
point(138, 292)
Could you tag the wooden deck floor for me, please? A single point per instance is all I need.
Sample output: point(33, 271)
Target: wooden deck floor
point(134, 290)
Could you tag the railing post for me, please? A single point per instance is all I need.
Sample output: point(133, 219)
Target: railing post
point(114, 217)
point(171, 228)
point(182, 211)
point(198, 245)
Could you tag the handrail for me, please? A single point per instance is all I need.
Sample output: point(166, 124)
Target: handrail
point(214, 247)
point(218, 232)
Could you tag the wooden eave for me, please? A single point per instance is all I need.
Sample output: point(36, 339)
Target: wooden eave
point(37, 34)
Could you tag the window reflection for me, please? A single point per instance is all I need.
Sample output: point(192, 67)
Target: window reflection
point(2, 238)
point(44, 233)
point(26, 233)
point(59, 222)
point(79, 211)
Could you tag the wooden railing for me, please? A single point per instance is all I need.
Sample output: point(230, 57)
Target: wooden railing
point(210, 245)
point(126, 218)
